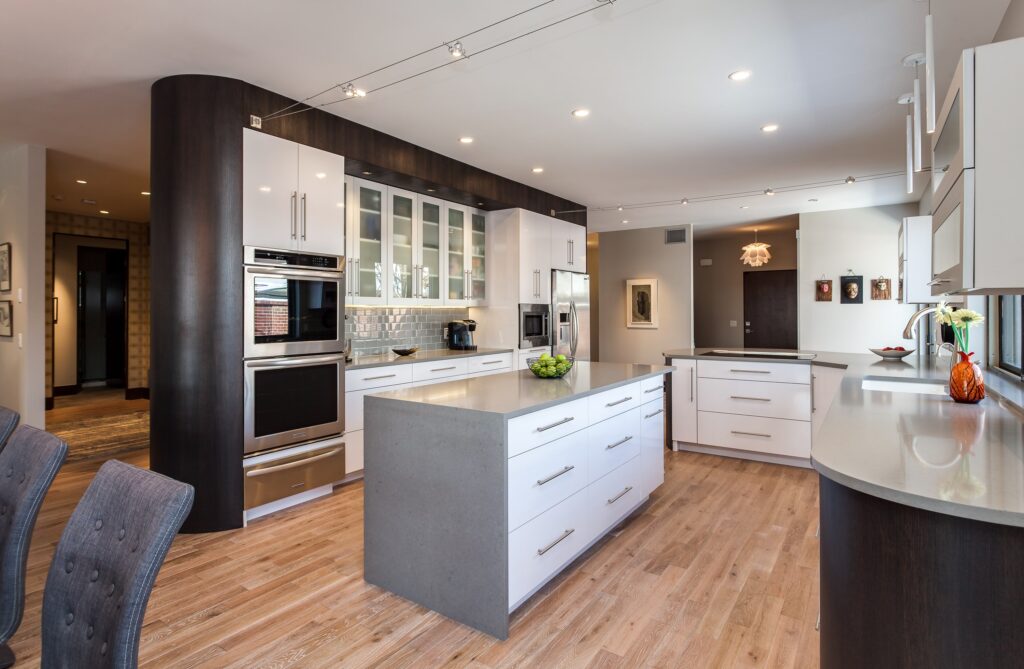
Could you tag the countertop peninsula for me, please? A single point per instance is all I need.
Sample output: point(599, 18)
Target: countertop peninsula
point(387, 359)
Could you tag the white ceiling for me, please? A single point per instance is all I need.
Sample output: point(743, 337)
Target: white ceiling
point(666, 121)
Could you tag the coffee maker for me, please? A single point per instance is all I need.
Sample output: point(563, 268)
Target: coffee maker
point(460, 335)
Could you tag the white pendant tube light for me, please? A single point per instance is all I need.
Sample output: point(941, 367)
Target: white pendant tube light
point(908, 99)
point(914, 60)
point(929, 69)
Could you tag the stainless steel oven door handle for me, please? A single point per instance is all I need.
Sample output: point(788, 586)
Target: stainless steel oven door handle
point(263, 471)
point(297, 273)
point(302, 361)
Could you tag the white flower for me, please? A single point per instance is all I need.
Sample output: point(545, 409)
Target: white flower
point(944, 314)
point(965, 318)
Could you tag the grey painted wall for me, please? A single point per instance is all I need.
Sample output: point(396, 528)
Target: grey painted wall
point(1012, 25)
point(643, 254)
point(718, 289)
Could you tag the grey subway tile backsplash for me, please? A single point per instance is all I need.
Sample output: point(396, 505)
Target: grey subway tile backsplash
point(376, 330)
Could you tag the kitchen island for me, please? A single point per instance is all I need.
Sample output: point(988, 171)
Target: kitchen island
point(479, 491)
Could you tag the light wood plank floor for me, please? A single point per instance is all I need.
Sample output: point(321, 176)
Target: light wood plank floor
point(719, 569)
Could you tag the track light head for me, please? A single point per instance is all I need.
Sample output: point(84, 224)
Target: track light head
point(456, 50)
point(850, 180)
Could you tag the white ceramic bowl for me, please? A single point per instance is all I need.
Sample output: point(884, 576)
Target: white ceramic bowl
point(891, 355)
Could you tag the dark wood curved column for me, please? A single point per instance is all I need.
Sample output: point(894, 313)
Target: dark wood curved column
point(904, 587)
point(196, 380)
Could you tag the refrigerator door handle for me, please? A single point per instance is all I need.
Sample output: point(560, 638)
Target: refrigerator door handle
point(575, 324)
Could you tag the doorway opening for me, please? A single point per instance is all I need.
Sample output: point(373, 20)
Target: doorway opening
point(769, 309)
point(101, 322)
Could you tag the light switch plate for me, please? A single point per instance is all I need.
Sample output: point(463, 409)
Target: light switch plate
point(732, 324)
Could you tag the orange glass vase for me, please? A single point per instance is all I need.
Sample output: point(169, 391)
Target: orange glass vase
point(966, 384)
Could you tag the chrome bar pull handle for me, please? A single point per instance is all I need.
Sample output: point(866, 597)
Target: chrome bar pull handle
point(294, 214)
point(752, 399)
point(618, 443)
point(618, 402)
point(564, 470)
point(652, 415)
point(565, 535)
point(750, 371)
point(752, 434)
point(620, 495)
point(303, 217)
point(567, 419)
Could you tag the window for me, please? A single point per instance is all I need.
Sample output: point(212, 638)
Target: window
point(1010, 337)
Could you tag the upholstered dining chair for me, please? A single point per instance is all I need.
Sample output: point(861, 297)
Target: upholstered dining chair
point(8, 421)
point(105, 565)
point(28, 465)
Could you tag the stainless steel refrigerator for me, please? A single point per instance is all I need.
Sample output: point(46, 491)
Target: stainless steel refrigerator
point(570, 305)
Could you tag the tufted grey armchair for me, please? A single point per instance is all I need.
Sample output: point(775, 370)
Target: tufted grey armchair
point(105, 565)
point(28, 465)
point(8, 421)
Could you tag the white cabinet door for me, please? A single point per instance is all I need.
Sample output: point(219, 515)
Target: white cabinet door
point(577, 248)
point(367, 212)
point(270, 167)
point(456, 220)
point(321, 201)
point(353, 452)
point(476, 243)
point(652, 446)
point(401, 275)
point(684, 401)
point(534, 258)
point(561, 248)
point(431, 261)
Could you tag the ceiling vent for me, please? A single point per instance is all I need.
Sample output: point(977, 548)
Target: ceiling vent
point(86, 200)
point(675, 236)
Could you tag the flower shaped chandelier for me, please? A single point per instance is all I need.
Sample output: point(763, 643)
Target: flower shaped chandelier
point(756, 253)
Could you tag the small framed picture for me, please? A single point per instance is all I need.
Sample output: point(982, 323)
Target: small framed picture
point(642, 303)
point(5, 267)
point(881, 288)
point(6, 318)
point(823, 290)
point(851, 290)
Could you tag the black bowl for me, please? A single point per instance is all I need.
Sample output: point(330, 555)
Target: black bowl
point(406, 351)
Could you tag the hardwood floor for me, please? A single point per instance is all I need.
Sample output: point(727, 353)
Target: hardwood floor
point(99, 423)
point(719, 569)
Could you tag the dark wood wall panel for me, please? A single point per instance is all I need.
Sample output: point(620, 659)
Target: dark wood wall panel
point(196, 380)
point(904, 587)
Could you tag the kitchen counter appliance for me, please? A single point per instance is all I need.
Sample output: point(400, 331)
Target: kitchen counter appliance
point(570, 303)
point(460, 335)
point(534, 325)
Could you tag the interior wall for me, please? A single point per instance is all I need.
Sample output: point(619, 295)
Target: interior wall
point(136, 236)
point(22, 214)
point(594, 270)
point(1012, 25)
point(643, 254)
point(65, 290)
point(833, 242)
point(718, 288)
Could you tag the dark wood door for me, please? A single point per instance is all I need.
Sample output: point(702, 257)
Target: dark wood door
point(769, 309)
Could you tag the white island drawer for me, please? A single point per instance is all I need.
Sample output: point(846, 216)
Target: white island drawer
point(750, 433)
point(779, 372)
point(613, 402)
point(440, 369)
point(540, 427)
point(612, 497)
point(755, 398)
point(489, 363)
point(652, 389)
point(541, 547)
point(652, 447)
point(613, 442)
point(377, 377)
point(541, 478)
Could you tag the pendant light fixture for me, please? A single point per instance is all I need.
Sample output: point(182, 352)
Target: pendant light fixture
point(914, 60)
point(756, 253)
point(908, 99)
point(929, 67)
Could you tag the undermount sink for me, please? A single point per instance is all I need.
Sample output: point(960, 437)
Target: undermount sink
point(905, 386)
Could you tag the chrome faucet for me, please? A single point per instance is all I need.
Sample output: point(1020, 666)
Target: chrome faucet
point(910, 331)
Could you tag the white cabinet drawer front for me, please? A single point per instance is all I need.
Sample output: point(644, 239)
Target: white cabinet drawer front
point(353, 451)
point(541, 478)
point(377, 377)
point(541, 547)
point(652, 444)
point(780, 372)
point(540, 427)
point(652, 389)
point(611, 497)
point(749, 433)
point(612, 442)
point(442, 369)
point(755, 398)
point(613, 402)
point(489, 363)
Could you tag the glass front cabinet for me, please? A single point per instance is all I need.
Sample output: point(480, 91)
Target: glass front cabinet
point(410, 249)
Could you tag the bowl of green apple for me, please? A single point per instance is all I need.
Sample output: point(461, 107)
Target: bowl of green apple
point(549, 366)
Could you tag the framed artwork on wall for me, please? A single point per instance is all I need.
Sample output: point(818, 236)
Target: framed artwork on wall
point(6, 318)
point(881, 289)
point(642, 303)
point(851, 289)
point(5, 267)
point(823, 290)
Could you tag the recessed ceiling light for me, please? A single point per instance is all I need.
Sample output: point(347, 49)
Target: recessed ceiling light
point(367, 172)
point(771, 127)
point(430, 190)
point(538, 170)
point(744, 206)
point(104, 211)
point(86, 200)
point(321, 175)
point(625, 222)
point(145, 192)
point(740, 75)
point(466, 140)
point(580, 113)
point(81, 181)
point(479, 204)
point(264, 189)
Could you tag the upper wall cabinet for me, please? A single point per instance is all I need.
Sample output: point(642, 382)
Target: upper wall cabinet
point(293, 196)
point(568, 246)
point(976, 175)
point(368, 212)
point(534, 257)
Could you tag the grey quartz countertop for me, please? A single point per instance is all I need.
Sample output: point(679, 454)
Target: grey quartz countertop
point(516, 393)
point(384, 360)
point(773, 355)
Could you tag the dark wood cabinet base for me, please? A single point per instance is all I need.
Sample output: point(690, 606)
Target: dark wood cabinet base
point(904, 587)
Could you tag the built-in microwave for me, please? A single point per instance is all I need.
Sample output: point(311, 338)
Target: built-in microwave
point(953, 238)
point(294, 303)
point(534, 325)
point(293, 400)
